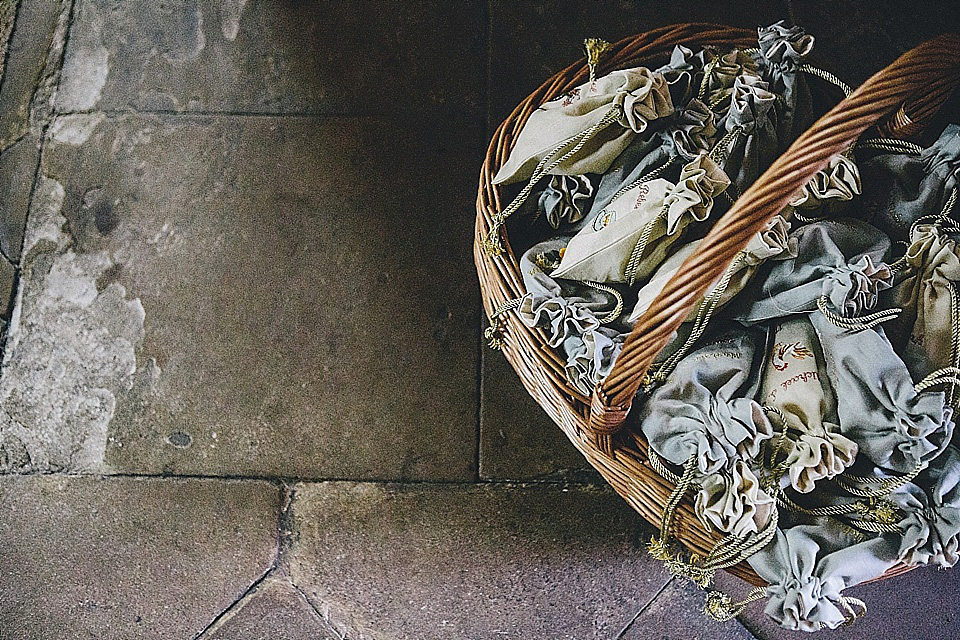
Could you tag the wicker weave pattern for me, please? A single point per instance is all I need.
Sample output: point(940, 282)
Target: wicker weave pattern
point(901, 98)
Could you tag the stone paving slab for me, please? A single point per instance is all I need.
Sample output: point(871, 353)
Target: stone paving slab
point(32, 66)
point(468, 561)
point(518, 441)
point(274, 611)
point(256, 296)
point(339, 56)
point(677, 614)
point(128, 558)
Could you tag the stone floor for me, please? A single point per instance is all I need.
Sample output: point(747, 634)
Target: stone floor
point(244, 393)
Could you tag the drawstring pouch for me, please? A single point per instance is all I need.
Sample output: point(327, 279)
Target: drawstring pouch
point(839, 269)
point(638, 228)
point(796, 386)
point(904, 184)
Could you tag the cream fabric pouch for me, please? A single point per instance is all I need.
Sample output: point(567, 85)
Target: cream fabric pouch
point(635, 232)
point(923, 333)
point(587, 128)
point(795, 383)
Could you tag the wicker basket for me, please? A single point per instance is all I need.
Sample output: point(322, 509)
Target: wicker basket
point(899, 100)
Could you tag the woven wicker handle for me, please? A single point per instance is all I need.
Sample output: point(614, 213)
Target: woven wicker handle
point(923, 76)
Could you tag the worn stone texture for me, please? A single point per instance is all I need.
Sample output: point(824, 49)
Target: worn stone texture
point(128, 558)
point(397, 562)
point(18, 163)
point(518, 441)
point(275, 610)
point(369, 57)
point(305, 310)
point(924, 603)
point(32, 68)
point(677, 614)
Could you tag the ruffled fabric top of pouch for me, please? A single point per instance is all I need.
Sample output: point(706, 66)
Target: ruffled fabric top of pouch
point(809, 566)
point(562, 308)
point(784, 46)
point(841, 260)
point(590, 357)
point(733, 502)
point(706, 408)
point(931, 515)
point(839, 181)
point(565, 199)
point(751, 105)
point(631, 97)
point(895, 426)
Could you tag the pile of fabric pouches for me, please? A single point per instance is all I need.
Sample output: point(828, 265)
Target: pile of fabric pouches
point(807, 401)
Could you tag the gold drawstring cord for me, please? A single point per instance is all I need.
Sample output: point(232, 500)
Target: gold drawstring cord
point(891, 145)
point(848, 604)
point(494, 333)
point(719, 607)
point(886, 485)
point(633, 265)
point(595, 48)
point(492, 243)
point(826, 75)
point(856, 323)
point(613, 315)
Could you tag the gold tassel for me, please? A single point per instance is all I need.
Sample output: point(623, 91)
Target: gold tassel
point(595, 47)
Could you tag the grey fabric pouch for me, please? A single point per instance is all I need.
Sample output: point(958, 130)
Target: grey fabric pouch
point(900, 189)
point(809, 566)
point(782, 50)
point(706, 408)
point(896, 427)
point(931, 522)
point(838, 260)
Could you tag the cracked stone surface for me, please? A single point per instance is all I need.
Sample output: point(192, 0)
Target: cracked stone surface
point(128, 558)
point(204, 55)
point(677, 614)
point(232, 324)
point(397, 562)
point(275, 610)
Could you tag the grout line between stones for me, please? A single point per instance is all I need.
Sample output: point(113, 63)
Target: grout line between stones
point(288, 480)
point(326, 619)
point(639, 613)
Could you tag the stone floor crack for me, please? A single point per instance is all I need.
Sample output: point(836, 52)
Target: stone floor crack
point(646, 605)
point(239, 602)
